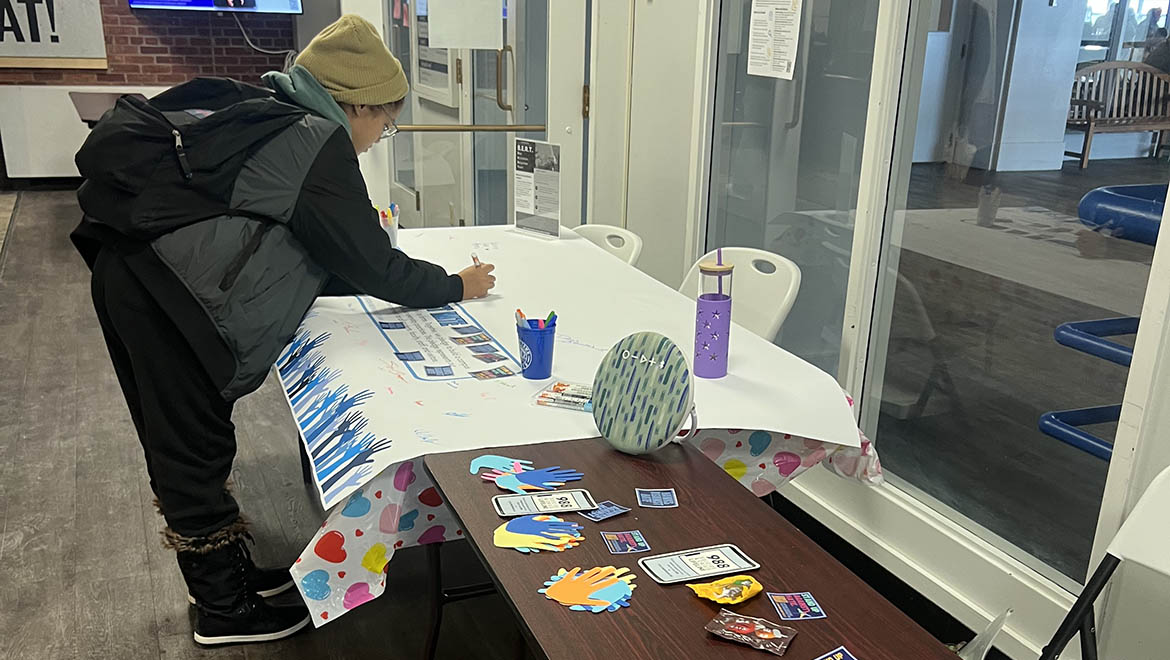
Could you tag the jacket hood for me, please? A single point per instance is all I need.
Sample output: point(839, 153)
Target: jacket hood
point(300, 87)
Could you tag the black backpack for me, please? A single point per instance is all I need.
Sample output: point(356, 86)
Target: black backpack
point(153, 166)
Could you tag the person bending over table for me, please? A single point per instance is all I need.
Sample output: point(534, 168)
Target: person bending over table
point(197, 300)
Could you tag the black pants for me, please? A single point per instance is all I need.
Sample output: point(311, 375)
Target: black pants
point(183, 423)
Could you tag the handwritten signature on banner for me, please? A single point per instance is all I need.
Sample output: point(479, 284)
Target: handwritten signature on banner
point(569, 339)
point(424, 435)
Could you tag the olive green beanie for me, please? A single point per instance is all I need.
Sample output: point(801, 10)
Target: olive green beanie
point(352, 63)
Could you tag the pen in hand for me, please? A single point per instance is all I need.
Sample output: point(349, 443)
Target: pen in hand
point(475, 260)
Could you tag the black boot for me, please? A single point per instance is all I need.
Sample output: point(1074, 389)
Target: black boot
point(228, 611)
point(264, 582)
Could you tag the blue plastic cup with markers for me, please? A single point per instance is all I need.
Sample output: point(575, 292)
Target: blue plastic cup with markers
point(536, 348)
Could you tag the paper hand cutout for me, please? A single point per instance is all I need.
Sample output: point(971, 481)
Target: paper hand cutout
point(542, 479)
point(550, 527)
point(498, 464)
point(617, 595)
point(535, 533)
point(596, 590)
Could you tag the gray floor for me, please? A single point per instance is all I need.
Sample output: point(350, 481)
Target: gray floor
point(82, 573)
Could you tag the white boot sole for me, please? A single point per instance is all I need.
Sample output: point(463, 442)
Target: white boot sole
point(266, 593)
point(245, 639)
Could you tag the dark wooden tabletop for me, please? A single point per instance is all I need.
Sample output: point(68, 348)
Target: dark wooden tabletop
point(667, 621)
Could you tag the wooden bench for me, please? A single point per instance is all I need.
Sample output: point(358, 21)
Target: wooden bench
point(1119, 97)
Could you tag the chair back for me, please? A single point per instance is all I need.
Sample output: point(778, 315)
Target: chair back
point(763, 290)
point(618, 241)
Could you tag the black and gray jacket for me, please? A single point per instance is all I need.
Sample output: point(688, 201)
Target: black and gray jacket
point(236, 210)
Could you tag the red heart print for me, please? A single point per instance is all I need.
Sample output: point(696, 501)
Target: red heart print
point(398, 544)
point(458, 532)
point(378, 495)
point(787, 436)
point(762, 466)
point(358, 532)
point(329, 547)
point(324, 615)
point(430, 517)
point(341, 574)
point(297, 561)
point(738, 444)
point(430, 497)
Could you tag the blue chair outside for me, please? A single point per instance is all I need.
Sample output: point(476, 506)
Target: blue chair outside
point(1132, 213)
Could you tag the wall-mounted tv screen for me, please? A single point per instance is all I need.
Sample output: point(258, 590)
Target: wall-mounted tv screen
point(256, 6)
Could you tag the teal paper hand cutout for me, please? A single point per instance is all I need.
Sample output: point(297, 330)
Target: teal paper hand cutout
point(498, 463)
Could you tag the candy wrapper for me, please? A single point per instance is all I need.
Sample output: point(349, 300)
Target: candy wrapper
point(757, 633)
point(729, 590)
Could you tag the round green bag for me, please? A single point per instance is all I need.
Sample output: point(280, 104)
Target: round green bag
point(642, 393)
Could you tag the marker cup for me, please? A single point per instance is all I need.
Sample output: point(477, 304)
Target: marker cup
point(536, 350)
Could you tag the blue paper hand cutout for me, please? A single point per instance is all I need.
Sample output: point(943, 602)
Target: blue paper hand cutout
point(617, 595)
point(497, 463)
point(549, 527)
point(542, 479)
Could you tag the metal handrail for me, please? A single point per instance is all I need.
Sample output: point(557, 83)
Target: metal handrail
point(472, 128)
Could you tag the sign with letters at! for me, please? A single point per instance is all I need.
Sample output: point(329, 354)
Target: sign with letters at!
point(57, 34)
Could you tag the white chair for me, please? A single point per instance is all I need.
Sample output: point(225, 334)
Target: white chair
point(763, 288)
point(1143, 539)
point(618, 241)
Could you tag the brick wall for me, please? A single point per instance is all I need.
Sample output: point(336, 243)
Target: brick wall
point(163, 47)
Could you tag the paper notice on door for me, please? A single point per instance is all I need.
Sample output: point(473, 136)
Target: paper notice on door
point(433, 69)
point(537, 187)
point(773, 38)
point(466, 24)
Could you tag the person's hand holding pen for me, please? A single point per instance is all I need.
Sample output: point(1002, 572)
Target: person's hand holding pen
point(477, 279)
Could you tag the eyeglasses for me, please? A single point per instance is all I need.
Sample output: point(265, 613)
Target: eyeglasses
point(389, 130)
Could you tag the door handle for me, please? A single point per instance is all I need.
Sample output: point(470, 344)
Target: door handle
point(506, 107)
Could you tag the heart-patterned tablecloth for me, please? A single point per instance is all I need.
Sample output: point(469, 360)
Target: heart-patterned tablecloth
point(345, 564)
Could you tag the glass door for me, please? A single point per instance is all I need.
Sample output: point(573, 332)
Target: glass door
point(450, 162)
point(979, 396)
point(786, 158)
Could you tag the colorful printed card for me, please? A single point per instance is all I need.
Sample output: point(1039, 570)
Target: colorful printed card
point(797, 606)
point(624, 543)
point(604, 511)
point(656, 498)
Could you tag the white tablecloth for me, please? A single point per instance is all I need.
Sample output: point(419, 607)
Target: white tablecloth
point(369, 404)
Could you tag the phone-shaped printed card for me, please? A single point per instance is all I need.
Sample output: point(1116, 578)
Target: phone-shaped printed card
point(556, 501)
point(656, 498)
point(687, 565)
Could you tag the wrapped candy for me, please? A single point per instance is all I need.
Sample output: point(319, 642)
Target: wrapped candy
point(757, 633)
point(729, 590)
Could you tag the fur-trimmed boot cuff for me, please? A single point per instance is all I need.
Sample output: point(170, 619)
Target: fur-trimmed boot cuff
point(234, 532)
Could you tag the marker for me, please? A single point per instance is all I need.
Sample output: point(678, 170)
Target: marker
point(475, 260)
point(552, 319)
point(520, 319)
point(540, 324)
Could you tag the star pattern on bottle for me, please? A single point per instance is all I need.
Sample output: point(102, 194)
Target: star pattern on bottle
point(706, 347)
point(715, 314)
point(707, 325)
point(714, 357)
point(714, 336)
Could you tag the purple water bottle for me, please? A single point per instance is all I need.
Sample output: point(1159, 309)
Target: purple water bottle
point(713, 318)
